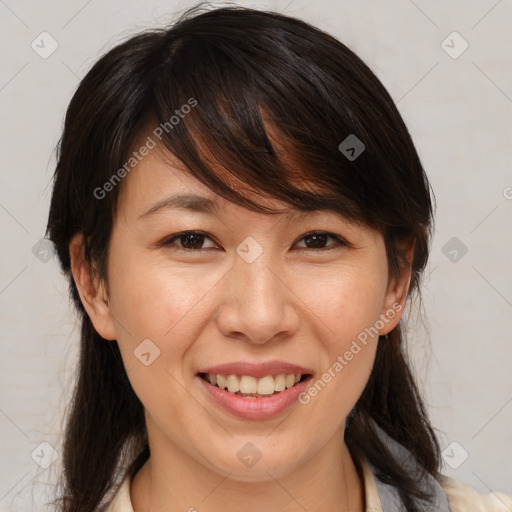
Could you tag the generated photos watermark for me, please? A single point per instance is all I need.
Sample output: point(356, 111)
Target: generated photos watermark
point(144, 150)
point(344, 359)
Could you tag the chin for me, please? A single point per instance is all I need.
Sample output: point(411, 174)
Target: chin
point(267, 468)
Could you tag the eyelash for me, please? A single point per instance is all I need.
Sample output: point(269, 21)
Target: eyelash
point(169, 241)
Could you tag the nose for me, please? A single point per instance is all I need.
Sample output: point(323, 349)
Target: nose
point(258, 304)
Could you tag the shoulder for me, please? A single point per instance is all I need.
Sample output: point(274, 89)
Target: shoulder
point(463, 498)
point(118, 499)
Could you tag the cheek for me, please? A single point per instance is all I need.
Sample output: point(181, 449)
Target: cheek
point(153, 298)
point(349, 305)
point(344, 301)
point(158, 312)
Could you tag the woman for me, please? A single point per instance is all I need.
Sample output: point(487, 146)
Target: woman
point(242, 216)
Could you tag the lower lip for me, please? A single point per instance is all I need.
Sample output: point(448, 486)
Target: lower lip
point(256, 408)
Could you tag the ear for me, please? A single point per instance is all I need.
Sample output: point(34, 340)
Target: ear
point(92, 292)
point(398, 289)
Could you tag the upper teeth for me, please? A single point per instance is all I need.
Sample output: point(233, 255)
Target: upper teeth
point(247, 384)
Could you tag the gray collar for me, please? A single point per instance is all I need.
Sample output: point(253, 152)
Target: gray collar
point(388, 494)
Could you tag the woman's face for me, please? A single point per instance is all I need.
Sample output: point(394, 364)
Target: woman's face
point(296, 288)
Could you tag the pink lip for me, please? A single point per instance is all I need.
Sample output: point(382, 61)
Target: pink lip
point(256, 408)
point(256, 370)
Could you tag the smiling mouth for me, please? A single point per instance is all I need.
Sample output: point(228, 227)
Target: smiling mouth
point(252, 387)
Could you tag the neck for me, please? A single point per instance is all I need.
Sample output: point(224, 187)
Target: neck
point(171, 480)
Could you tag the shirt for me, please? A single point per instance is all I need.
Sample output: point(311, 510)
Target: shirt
point(461, 497)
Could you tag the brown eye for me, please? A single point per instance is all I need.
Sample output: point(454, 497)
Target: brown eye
point(319, 240)
point(316, 241)
point(190, 240)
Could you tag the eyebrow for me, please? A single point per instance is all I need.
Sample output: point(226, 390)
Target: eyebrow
point(200, 204)
point(184, 201)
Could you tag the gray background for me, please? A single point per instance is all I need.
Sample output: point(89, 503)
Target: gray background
point(458, 109)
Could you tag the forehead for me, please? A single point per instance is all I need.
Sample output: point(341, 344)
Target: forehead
point(159, 183)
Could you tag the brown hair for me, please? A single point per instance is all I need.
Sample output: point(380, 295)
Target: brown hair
point(247, 70)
